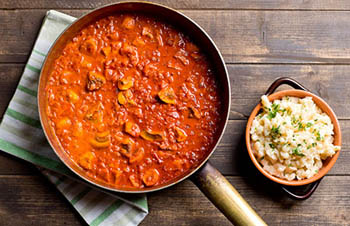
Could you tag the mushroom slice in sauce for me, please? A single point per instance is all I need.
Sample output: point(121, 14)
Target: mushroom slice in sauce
point(95, 81)
point(151, 136)
point(167, 95)
point(150, 177)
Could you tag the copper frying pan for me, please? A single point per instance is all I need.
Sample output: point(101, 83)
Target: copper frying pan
point(206, 177)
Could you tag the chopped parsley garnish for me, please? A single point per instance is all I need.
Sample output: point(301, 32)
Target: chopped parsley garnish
point(272, 146)
point(275, 131)
point(318, 136)
point(314, 144)
point(273, 111)
point(300, 126)
point(309, 124)
point(297, 152)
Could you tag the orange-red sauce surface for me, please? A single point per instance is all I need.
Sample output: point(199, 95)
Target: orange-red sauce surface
point(133, 102)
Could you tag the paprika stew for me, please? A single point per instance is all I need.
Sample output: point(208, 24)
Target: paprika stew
point(133, 101)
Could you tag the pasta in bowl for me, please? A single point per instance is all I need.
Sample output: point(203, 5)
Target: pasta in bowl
point(293, 137)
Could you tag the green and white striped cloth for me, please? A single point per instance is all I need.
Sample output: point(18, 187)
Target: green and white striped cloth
point(21, 135)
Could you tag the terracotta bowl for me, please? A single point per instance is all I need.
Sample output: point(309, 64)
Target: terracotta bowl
point(327, 164)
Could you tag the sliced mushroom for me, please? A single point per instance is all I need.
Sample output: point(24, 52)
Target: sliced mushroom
point(121, 98)
point(138, 42)
point(132, 128)
point(94, 114)
point(167, 95)
point(194, 113)
point(89, 46)
point(125, 97)
point(150, 177)
point(128, 23)
point(95, 81)
point(101, 140)
point(180, 134)
point(151, 136)
point(127, 146)
point(146, 31)
point(125, 83)
point(86, 160)
point(137, 155)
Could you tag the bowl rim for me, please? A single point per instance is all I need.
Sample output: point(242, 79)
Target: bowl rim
point(321, 104)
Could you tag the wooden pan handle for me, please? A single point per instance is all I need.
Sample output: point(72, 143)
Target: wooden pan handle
point(225, 197)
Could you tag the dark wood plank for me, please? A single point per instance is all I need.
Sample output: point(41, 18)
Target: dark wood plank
point(249, 82)
point(10, 165)
point(31, 200)
point(184, 4)
point(185, 205)
point(243, 36)
point(9, 78)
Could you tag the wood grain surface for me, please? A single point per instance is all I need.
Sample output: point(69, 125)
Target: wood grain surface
point(260, 41)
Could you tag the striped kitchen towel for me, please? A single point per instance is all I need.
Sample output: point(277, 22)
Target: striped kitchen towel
point(21, 135)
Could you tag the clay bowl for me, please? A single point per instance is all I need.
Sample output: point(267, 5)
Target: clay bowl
point(327, 164)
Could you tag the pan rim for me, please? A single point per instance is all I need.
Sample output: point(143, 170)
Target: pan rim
point(181, 178)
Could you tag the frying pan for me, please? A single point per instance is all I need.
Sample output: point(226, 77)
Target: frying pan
point(206, 177)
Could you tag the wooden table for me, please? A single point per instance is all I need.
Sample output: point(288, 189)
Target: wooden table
point(260, 41)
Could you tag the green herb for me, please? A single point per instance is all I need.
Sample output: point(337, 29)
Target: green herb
point(314, 144)
point(304, 141)
point(300, 126)
point(318, 136)
point(309, 146)
point(284, 123)
point(272, 146)
point(275, 131)
point(273, 111)
point(316, 120)
point(297, 152)
point(309, 124)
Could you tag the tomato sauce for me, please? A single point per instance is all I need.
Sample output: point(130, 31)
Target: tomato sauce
point(133, 101)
